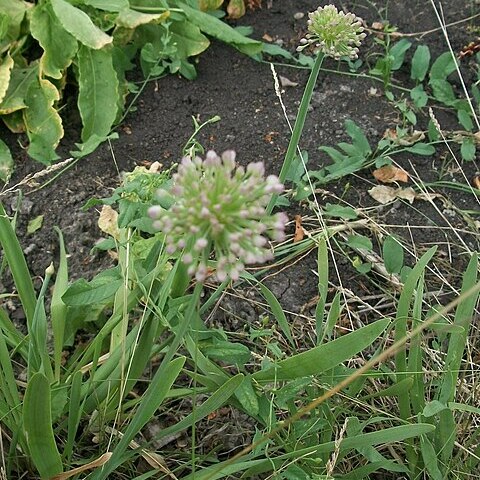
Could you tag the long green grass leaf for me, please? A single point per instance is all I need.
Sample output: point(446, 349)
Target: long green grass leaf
point(37, 418)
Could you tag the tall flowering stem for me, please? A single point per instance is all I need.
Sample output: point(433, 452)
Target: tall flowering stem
point(298, 127)
point(331, 33)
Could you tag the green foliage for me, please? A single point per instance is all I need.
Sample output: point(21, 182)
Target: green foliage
point(91, 43)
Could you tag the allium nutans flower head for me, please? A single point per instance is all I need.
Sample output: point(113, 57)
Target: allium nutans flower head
point(220, 207)
point(336, 34)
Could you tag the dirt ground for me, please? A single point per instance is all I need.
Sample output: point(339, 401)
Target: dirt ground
point(241, 91)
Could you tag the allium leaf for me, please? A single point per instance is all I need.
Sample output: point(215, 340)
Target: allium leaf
point(98, 91)
point(58, 45)
point(78, 23)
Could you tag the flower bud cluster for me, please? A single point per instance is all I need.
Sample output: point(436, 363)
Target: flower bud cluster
point(220, 207)
point(336, 34)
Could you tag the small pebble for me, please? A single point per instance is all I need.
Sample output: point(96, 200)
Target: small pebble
point(298, 15)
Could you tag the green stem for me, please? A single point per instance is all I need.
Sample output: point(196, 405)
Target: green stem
point(299, 124)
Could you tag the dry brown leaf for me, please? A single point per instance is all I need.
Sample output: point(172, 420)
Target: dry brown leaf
point(285, 82)
point(299, 232)
point(102, 460)
point(405, 141)
point(476, 181)
point(107, 221)
point(267, 37)
point(390, 174)
point(383, 194)
point(378, 26)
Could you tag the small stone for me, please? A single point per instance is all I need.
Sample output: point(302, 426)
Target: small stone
point(298, 15)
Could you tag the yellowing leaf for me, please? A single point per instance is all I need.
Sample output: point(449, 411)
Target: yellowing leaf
point(58, 45)
point(108, 221)
point(390, 174)
point(236, 9)
point(209, 4)
point(78, 23)
point(20, 80)
point(132, 19)
point(42, 121)
point(35, 224)
point(5, 72)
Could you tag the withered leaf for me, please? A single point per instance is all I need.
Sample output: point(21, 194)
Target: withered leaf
point(390, 174)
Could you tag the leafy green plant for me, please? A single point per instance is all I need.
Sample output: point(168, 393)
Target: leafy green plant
point(91, 44)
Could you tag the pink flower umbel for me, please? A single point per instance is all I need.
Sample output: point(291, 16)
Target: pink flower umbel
point(220, 208)
point(336, 34)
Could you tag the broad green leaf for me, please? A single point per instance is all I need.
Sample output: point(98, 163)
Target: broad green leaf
point(324, 357)
point(78, 23)
point(87, 293)
point(468, 149)
point(398, 52)
point(108, 5)
point(188, 38)
point(347, 213)
point(430, 459)
point(392, 255)
point(6, 162)
point(360, 141)
point(98, 92)
point(20, 80)
point(419, 96)
point(42, 121)
point(442, 67)
point(432, 408)
point(132, 19)
point(421, 149)
point(58, 45)
point(246, 395)
point(37, 420)
point(420, 63)
point(443, 91)
point(229, 352)
point(5, 72)
point(15, 11)
point(35, 224)
point(220, 30)
point(359, 241)
point(465, 119)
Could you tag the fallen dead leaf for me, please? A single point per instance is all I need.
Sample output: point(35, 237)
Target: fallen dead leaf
point(476, 181)
point(285, 82)
point(267, 37)
point(378, 26)
point(107, 221)
point(102, 460)
point(299, 232)
point(390, 174)
point(383, 194)
point(405, 141)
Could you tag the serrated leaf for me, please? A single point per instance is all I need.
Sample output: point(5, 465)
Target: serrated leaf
point(5, 73)
point(6, 162)
point(420, 63)
point(58, 45)
point(35, 224)
point(392, 255)
point(78, 23)
point(20, 80)
point(42, 121)
point(98, 91)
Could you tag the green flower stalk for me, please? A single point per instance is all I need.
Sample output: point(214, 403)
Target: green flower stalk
point(220, 207)
point(336, 34)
